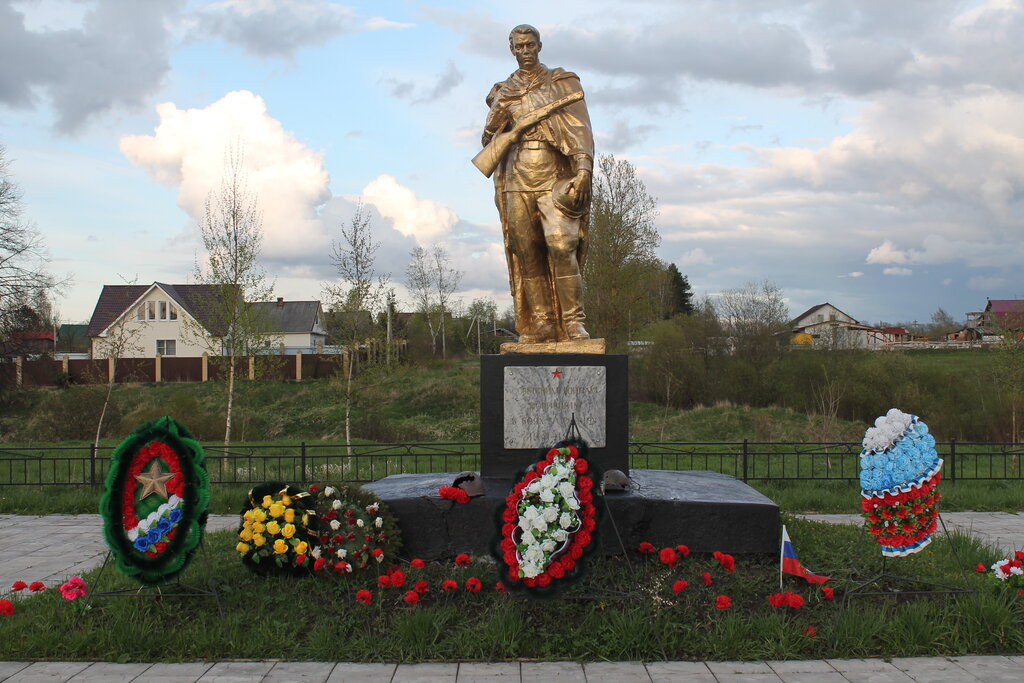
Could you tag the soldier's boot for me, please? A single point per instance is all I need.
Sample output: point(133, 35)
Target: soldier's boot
point(542, 319)
point(570, 296)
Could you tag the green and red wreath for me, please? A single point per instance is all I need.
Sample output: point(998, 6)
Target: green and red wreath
point(155, 501)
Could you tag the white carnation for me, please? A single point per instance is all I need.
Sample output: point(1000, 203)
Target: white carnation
point(330, 491)
point(336, 504)
point(316, 553)
point(360, 523)
point(379, 522)
point(335, 524)
point(341, 553)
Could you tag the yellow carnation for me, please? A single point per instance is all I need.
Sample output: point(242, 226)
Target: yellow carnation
point(280, 546)
point(273, 528)
point(258, 528)
point(267, 501)
point(288, 530)
point(301, 548)
point(276, 510)
point(258, 540)
point(289, 515)
point(242, 548)
point(245, 535)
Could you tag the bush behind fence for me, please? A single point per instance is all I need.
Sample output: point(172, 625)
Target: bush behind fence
point(306, 463)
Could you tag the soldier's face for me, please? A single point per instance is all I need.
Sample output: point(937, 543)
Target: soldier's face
point(526, 48)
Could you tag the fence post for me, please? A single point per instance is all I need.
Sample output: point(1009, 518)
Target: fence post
point(157, 367)
point(92, 464)
point(952, 459)
point(303, 463)
point(298, 365)
point(111, 373)
point(745, 454)
point(252, 367)
point(206, 366)
point(18, 375)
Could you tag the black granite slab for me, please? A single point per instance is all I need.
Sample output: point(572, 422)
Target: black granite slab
point(707, 511)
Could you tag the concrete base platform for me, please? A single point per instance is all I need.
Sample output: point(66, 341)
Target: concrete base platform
point(707, 511)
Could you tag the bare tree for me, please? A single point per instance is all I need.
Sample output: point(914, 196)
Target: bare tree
point(232, 233)
point(23, 258)
point(482, 312)
point(359, 293)
point(752, 316)
point(620, 253)
point(432, 281)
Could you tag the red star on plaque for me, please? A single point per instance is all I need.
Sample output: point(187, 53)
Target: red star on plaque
point(557, 373)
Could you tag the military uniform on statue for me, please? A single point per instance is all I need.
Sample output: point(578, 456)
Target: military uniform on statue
point(542, 190)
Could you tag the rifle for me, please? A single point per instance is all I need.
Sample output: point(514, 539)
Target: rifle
point(491, 155)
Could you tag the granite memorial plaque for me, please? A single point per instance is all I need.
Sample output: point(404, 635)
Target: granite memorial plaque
point(541, 400)
point(528, 400)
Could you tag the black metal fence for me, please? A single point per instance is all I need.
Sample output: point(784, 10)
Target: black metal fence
point(306, 463)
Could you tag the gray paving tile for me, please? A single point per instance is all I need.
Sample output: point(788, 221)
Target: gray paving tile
point(992, 669)
point(860, 665)
point(615, 672)
point(300, 671)
point(813, 677)
point(731, 668)
point(801, 666)
point(933, 669)
point(552, 672)
point(10, 668)
point(236, 672)
point(893, 676)
point(469, 672)
point(182, 672)
point(361, 672)
point(662, 669)
point(109, 671)
point(426, 673)
point(47, 671)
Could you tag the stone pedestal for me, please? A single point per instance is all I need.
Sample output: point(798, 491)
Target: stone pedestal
point(528, 400)
point(707, 511)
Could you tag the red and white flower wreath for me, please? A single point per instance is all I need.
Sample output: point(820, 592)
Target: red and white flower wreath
point(548, 520)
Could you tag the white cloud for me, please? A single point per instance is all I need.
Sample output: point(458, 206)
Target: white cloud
point(855, 273)
point(887, 253)
point(898, 270)
point(696, 257)
point(423, 219)
point(287, 178)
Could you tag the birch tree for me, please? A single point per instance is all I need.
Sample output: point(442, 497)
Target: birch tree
point(232, 234)
point(432, 281)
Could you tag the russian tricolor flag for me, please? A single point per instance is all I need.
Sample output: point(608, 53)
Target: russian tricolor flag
point(790, 564)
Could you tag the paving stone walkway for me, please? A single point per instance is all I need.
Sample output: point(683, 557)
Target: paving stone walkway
point(995, 669)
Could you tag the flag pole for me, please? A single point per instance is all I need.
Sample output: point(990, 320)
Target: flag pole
point(782, 549)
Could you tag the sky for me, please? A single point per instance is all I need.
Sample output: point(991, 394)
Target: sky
point(865, 153)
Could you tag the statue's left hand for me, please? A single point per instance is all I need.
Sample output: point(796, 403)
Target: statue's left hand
point(579, 188)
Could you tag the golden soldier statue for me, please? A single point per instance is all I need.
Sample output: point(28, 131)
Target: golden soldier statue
point(539, 145)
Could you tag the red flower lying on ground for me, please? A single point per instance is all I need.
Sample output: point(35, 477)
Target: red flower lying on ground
point(828, 592)
point(417, 564)
point(811, 632)
point(454, 493)
point(421, 587)
point(668, 556)
point(462, 560)
point(37, 586)
point(6, 608)
point(723, 602)
point(707, 579)
point(364, 596)
point(397, 578)
point(645, 548)
point(473, 584)
point(412, 597)
point(500, 587)
point(980, 568)
point(679, 585)
point(449, 585)
point(683, 550)
point(18, 585)
point(787, 599)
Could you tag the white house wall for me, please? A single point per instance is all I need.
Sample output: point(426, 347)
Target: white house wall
point(141, 335)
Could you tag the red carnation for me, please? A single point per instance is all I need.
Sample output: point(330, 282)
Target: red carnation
point(449, 585)
point(707, 579)
point(556, 569)
point(412, 597)
point(299, 560)
point(313, 488)
point(776, 600)
point(544, 579)
point(668, 556)
point(679, 585)
point(462, 560)
point(727, 561)
point(473, 584)
point(417, 564)
point(378, 554)
point(6, 608)
point(421, 587)
point(581, 466)
point(1019, 554)
point(36, 586)
point(319, 564)
point(384, 581)
point(810, 631)
point(795, 600)
point(828, 592)
point(500, 587)
point(453, 493)
point(397, 578)
point(683, 550)
point(723, 602)
point(645, 548)
point(340, 566)
point(364, 596)
point(18, 585)
point(510, 515)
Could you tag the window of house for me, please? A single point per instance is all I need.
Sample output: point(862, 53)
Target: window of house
point(165, 347)
point(140, 312)
point(162, 307)
point(174, 312)
point(150, 310)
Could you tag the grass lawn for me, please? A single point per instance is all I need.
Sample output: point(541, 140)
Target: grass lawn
point(623, 609)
